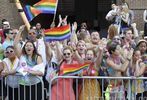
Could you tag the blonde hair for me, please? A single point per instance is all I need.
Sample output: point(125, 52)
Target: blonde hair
point(68, 48)
point(94, 52)
point(81, 41)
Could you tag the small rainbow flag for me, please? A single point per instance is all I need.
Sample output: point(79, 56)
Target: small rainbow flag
point(47, 6)
point(58, 33)
point(72, 69)
point(31, 12)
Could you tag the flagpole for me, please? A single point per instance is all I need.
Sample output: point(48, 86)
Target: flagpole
point(55, 11)
point(20, 10)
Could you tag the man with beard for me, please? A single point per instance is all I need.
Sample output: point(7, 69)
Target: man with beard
point(95, 40)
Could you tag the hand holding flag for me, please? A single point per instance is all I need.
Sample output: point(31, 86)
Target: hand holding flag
point(58, 33)
point(72, 69)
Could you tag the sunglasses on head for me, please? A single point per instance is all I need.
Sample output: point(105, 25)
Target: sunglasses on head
point(11, 51)
point(66, 54)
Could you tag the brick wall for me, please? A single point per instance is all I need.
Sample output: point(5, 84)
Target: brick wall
point(8, 11)
point(138, 7)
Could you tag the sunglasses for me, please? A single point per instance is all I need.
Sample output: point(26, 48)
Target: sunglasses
point(116, 38)
point(66, 54)
point(10, 33)
point(11, 51)
point(32, 33)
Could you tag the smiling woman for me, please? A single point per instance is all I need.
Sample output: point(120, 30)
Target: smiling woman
point(64, 84)
point(32, 65)
point(10, 65)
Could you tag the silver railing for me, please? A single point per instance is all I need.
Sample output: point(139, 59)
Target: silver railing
point(97, 88)
point(11, 89)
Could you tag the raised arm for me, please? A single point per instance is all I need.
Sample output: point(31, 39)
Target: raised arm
point(76, 54)
point(60, 21)
point(110, 15)
point(59, 52)
point(99, 57)
point(17, 48)
point(136, 35)
point(73, 37)
point(48, 51)
point(140, 68)
point(123, 67)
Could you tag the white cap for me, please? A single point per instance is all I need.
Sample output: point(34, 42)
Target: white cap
point(6, 23)
point(142, 40)
point(145, 37)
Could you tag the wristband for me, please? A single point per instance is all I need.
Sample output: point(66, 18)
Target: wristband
point(20, 10)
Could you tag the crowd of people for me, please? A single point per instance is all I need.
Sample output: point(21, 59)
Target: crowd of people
point(122, 53)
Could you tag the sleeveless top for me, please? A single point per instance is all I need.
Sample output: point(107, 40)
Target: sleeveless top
point(110, 70)
point(51, 67)
point(12, 80)
point(137, 86)
point(29, 79)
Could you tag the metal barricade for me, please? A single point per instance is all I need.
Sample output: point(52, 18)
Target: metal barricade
point(13, 89)
point(97, 88)
point(2, 89)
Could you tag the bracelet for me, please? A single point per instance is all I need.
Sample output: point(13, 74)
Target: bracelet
point(20, 10)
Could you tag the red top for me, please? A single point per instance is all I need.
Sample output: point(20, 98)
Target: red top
point(2, 38)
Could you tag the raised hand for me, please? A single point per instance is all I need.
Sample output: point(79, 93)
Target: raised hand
point(129, 56)
point(21, 28)
point(74, 26)
point(60, 19)
point(64, 21)
point(52, 25)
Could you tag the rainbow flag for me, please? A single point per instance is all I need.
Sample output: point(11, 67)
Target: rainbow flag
point(31, 12)
point(72, 69)
point(47, 6)
point(57, 33)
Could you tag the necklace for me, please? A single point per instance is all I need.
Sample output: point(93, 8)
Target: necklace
point(12, 63)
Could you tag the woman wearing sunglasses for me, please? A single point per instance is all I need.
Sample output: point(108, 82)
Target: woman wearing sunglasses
point(32, 65)
point(63, 88)
point(9, 38)
point(10, 65)
point(116, 66)
point(90, 88)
